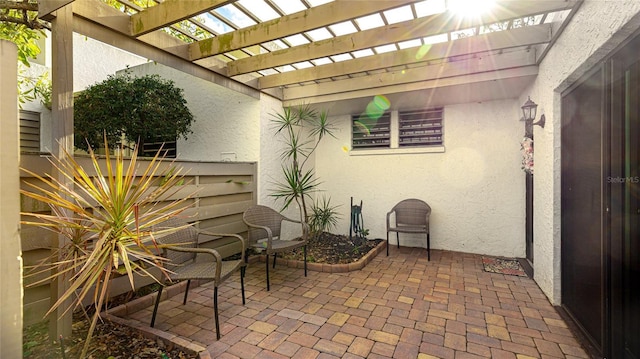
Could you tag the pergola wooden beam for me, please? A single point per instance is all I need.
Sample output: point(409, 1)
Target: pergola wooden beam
point(408, 30)
point(313, 18)
point(291, 98)
point(444, 70)
point(99, 21)
point(169, 12)
point(525, 36)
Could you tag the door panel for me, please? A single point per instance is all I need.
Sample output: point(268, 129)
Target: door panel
point(630, 310)
point(581, 184)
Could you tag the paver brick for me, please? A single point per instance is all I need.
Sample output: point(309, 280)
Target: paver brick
point(547, 347)
point(338, 319)
point(478, 349)
point(455, 341)
point(262, 327)
point(498, 332)
point(520, 349)
point(361, 346)
point(406, 350)
point(383, 337)
point(330, 347)
point(306, 353)
point(411, 336)
point(437, 351)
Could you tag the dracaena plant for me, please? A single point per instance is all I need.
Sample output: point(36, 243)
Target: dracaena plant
point(323, 216)
point(107, 221)
point(301, 128)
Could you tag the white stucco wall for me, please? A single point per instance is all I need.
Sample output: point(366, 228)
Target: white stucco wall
point(93, 61)
point(597, 28)
point(475, 188)
point(226, 123)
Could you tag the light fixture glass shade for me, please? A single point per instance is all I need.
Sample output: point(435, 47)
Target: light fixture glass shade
point(529, 110)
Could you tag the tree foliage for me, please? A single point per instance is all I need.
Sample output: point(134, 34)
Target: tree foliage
point(19, 24)
point(139, 109)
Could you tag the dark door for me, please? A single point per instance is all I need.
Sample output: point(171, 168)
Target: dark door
point(581, 184)
point(624, 186)
point(601, 204)
point(631, 238)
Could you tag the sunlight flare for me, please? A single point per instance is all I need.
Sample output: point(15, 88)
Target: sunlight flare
point(469, 8)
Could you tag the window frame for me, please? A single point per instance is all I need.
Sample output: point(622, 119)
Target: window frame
point(394, 132)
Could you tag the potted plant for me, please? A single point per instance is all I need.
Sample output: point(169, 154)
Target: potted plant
point(107, 220)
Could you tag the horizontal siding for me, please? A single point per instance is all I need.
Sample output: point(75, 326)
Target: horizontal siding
point(222, 192)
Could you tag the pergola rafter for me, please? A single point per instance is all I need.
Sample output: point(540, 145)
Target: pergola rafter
point(323, 15)
point(522, 37)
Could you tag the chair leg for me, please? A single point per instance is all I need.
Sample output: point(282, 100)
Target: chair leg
point(428, 247)
point(304, 250)
point(215, 311)
point(387, 243)
point(155, 307)
point(275, 255)
point(398, 239)
point(267, 262)
point(186, 292)
point(242, 273)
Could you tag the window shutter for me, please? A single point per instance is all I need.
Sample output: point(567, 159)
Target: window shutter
point(421, 127)
point(371, 133)
point(29, 131)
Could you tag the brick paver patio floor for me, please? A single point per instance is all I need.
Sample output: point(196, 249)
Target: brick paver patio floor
point(399, 306)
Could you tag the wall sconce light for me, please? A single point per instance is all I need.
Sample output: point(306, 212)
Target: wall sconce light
point(529, 113)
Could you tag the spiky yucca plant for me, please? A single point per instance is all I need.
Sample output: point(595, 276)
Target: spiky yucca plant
point(107, 220)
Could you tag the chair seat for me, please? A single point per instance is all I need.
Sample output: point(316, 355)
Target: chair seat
point(278, 245)
point(204, 270)
point(409, 229)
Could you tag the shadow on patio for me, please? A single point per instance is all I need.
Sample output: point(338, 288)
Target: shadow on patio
point(399, 306)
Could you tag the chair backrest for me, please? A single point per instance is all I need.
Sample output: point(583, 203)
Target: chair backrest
point(185, 237)
point(412, 212)
point(262, 216)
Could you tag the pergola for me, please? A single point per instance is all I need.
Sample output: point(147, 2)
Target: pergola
point(339, 52)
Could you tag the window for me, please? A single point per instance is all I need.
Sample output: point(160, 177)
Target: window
point(414, 131)
point(151, 146)
point(420, 128)
point(29, 131)
point(371, 132)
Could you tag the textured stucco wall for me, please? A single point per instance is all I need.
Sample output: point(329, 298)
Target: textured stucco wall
point(597, 28)
point(226, 123)
point(93, 61)
point(475, 188)
point(270, 165)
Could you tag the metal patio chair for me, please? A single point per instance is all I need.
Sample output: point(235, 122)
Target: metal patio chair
point(181, 248)
point(265, 225)
point(411, 216)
